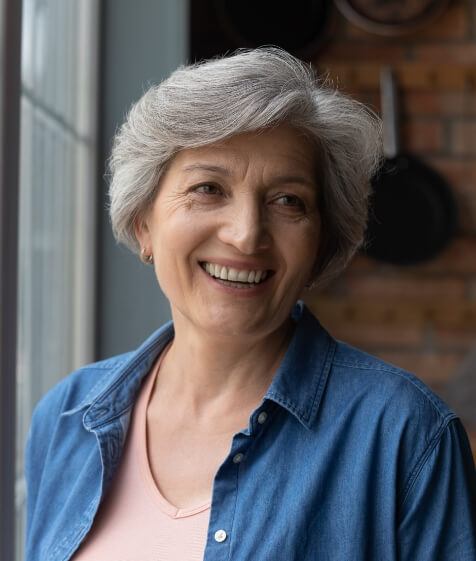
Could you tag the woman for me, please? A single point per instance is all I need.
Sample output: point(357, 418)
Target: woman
point(243, 430)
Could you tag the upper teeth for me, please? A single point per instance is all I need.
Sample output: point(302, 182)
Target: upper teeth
point(228, 273)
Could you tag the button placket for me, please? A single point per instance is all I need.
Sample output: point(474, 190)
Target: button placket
point(223, 509)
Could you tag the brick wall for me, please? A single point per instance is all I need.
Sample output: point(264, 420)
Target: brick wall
point(421, 317)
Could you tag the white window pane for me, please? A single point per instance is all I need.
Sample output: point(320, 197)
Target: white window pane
point(57, 197)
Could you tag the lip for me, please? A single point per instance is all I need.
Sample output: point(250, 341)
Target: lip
point(244, 265)
point(248, 292)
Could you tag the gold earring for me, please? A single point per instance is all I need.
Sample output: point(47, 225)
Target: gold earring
point(148, 259)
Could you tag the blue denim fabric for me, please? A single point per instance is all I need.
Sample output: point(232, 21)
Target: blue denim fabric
point(355, 460)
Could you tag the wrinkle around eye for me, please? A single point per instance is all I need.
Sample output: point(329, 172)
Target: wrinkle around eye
point(176, 200)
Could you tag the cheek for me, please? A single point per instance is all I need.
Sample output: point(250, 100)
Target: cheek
point(305, 244)
point(304, 257)
point(175, 240)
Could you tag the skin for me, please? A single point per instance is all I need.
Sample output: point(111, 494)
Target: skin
point(250, 202)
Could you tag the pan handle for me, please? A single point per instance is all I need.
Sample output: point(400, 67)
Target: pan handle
point(388, 92)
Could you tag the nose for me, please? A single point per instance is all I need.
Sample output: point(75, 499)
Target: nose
point(245, 227)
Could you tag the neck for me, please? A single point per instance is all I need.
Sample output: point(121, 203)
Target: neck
point(206, 374)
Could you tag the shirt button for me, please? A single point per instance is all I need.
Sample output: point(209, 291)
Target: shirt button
point(238, 457)
point(220, 536)
point(262, 417)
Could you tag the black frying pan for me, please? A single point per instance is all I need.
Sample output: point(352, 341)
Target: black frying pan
point(391, 17)
point(301, 29)
point(413, 212)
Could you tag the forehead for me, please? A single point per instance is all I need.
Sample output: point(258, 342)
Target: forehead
point(281, 149)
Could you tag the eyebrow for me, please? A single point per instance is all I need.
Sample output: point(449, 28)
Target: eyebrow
point(207, 167)
point(225, 171)
point(294, 179)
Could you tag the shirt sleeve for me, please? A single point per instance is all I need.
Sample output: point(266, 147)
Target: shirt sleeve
point(39, 438)
point(34, 460)
point(438, 515)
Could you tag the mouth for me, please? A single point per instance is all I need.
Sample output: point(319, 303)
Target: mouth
point(238, 278)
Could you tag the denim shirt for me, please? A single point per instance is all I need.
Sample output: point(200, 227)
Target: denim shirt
point(347, 458)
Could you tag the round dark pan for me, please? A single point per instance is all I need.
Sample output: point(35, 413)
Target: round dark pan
point(413, 213)
point(386, 18)
point(301, 28)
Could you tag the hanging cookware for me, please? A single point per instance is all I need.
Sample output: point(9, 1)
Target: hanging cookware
point(413, 211)
point(301, 29)
point(391, 17)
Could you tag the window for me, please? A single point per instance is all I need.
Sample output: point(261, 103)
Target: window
point(57, 204)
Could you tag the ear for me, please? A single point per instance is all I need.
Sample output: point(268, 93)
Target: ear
point(142, 232)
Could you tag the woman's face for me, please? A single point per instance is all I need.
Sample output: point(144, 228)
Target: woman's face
point(245, 204)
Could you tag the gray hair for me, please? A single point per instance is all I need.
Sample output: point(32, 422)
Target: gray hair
point(248, 91)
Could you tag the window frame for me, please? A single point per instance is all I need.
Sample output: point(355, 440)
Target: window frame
point(10, 83)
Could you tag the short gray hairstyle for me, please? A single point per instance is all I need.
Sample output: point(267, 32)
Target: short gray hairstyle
point(251, 90)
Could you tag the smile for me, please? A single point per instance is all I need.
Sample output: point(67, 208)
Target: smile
point(235, 275)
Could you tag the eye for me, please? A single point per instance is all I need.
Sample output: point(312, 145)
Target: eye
point(291, 201)
point(206, 189)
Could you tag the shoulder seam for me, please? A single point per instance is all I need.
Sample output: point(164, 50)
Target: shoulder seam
point(397, 372)
point(107, 363)
point(108, 367)
point(421, 461)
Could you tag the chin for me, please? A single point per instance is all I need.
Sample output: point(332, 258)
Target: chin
point(235, 323)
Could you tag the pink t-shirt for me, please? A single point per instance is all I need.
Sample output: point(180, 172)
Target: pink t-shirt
point(135, 522)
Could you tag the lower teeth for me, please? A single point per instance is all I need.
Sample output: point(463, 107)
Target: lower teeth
point(236, 284)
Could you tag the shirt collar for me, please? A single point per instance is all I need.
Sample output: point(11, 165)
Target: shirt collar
point(300, 380)
point(115, 393)
point(297, 386)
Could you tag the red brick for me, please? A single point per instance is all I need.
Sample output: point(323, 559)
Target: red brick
point(404, 287)
point(439, 104)
point(432, 367)
point(368, 324)
point(345, 51)
point(421, 103)
point(422, 136)
point(410, 76)
point(461, 176)
point(438, 314)
point(369, 336)
point(436, 77)
point(454, 338)
point(453, 23)
point(458, 172)
point(472, 289)
point(459, 257)
point(354, 311)
point(460, 53)
point(370, 99)
point(463, 138)
point(461, 316)
point(467, 215)
point(351, 77)
point(362, 263)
